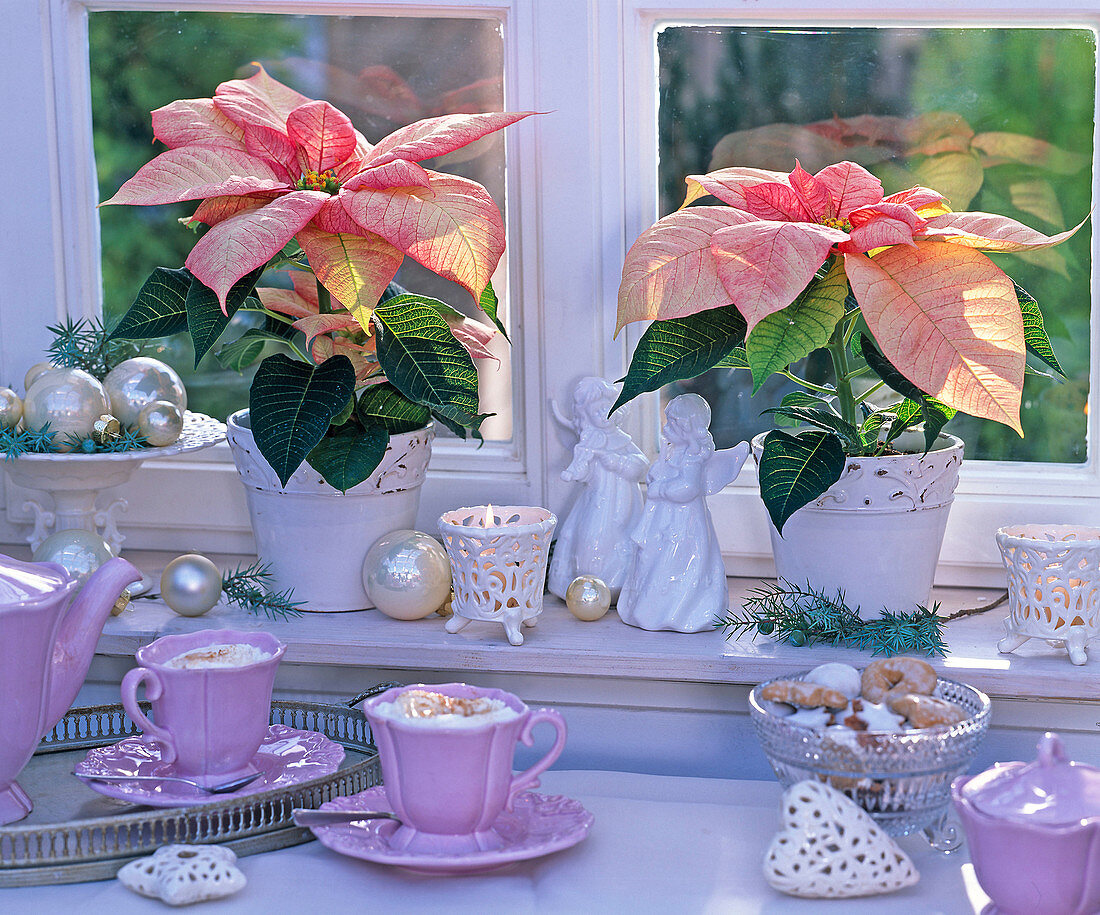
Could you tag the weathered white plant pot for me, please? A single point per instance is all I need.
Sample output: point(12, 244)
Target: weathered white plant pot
point(313, 536)
point(876, 533)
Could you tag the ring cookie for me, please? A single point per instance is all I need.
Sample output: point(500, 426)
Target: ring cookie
point(898, 675)
point(803, 694)
point(925, 711)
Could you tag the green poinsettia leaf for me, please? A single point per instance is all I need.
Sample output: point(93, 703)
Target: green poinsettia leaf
point(291, 405)
point(160, 308)
point(423, 360)
point(488, 304)
point(248, 347)
point(383, 405)
point(205, 320)
point(800, 399)
point(347, 457)
point(737, 359)
point(882, 367)
point(681, 348)
point(823, 419)
point(474, 427)
point(392, 291)
point(796, 469)
point(796, 331)
point(934, 413)
point(1035, 334)
point(904, 415)
point(806, 399)
point(344, 415)
point(872, 424)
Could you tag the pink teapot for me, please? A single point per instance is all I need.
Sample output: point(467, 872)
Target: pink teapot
point(47, 639)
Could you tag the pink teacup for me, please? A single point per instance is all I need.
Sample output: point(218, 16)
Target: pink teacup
point(210, 720)
point(448, 783)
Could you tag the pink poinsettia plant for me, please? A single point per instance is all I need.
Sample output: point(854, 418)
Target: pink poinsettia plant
point(895, 287)
point(287, 183)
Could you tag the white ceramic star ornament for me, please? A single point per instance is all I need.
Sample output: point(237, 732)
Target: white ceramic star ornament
point(828, 847)
point(183, 874)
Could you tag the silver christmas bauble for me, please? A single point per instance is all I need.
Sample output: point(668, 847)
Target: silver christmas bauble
point(160, 423)
point(407, 575)
point(587, 598)
point(70, 400)
point(191, 584)
point(34, 372)
point(11, 408)
point(136, 382)
point(80, 552)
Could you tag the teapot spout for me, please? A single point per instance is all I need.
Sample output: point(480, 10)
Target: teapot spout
point(76, 641)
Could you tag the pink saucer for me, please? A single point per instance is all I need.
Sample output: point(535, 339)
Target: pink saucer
point(286, 757)
point(538, 825)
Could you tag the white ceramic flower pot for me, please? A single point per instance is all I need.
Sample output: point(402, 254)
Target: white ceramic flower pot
point(876, 533)
point(313, 536)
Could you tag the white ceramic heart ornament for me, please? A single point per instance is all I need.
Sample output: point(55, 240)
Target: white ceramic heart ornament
point(830, 848)
point(183, 874)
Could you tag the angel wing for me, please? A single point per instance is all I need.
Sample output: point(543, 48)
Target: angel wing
point(723, 467)
point(564, 421)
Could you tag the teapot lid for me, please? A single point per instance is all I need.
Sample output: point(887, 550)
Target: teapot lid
point(1052, 790)
point(24, 582)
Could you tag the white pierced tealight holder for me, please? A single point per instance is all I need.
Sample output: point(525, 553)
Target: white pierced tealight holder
point(1053, 585)
point(498, 570)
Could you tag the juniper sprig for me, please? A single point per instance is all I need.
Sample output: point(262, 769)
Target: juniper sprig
point(85, 344)
point(803, 615)
point(248, 588)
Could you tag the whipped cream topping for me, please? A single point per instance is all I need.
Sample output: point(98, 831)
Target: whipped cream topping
point(233, 654)
point(428, 708)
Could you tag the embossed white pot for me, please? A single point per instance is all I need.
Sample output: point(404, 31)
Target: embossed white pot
point(876, 533)
point(315, 537)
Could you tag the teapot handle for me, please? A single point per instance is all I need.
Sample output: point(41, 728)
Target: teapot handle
point(153, 690)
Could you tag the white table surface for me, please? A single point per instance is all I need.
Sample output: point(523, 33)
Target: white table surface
point(659, 844)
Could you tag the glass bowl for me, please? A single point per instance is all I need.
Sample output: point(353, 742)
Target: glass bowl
point(902, 780)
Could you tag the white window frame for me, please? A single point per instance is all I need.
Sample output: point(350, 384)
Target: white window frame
point(52, 128)
point(991, 494)
point(581, 185)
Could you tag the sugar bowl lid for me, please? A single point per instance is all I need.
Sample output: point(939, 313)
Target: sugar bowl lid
point(1053, 790)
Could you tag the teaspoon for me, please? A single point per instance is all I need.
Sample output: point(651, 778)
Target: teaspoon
point(338, 817)
point(222, 788)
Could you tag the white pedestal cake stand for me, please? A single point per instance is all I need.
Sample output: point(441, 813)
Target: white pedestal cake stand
point(75, 480)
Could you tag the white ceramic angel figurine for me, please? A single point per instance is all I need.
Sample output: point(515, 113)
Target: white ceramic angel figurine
point(677, 580)
point(595, 539)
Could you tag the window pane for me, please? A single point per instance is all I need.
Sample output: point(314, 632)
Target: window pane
point(372, 68)
point(999, 120)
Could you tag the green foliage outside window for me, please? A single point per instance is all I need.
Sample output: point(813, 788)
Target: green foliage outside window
point(141, 61)
point(754, 97)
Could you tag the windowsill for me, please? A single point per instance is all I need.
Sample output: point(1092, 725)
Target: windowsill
point(561, 645)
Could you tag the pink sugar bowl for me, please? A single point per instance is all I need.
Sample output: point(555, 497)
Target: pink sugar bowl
point(1034, 833)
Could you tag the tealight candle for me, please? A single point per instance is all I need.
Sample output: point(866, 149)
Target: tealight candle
point(498, 564)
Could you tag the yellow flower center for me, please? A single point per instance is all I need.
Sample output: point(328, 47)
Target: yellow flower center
point(835, 223)
point(319, 181)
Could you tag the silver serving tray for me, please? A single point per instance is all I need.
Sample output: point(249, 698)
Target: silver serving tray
point(75, 834)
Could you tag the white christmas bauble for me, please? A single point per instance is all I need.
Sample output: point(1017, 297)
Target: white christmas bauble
point(11, 408)
point(80, 552)
point(191, 584)
point(587, 598)
point(136, 382)
point(70, 400)
point(160, 423)
point(407, 575)
point(34, 372)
